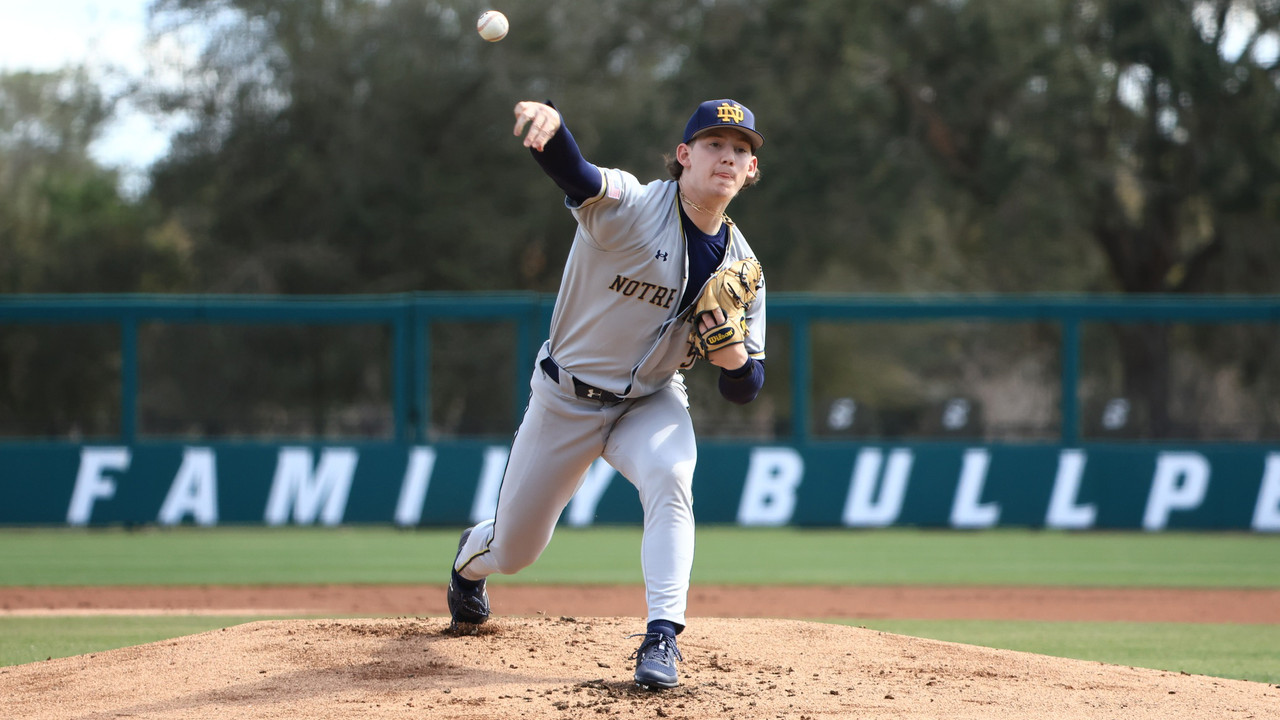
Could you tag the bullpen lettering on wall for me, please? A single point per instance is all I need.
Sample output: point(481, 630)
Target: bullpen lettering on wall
point(1152, 488)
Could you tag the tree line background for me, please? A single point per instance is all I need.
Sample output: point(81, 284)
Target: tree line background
point(913, 146)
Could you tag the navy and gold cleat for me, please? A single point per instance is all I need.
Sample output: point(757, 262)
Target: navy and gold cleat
point(468, 599)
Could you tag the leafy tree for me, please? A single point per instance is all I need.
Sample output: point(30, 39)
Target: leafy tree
point(64, 226)
point(1009, 145)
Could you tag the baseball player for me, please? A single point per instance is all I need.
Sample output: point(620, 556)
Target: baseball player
point(631, 315)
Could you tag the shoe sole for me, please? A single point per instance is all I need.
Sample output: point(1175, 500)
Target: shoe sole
point(655, 686)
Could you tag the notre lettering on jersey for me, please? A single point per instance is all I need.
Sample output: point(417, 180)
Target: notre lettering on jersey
point(641, 290)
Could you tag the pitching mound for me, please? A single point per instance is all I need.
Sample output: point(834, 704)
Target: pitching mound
point(578, 668)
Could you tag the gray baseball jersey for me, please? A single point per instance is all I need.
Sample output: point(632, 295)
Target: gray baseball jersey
point(617, 324)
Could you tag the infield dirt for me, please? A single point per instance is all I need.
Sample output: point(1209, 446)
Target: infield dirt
point(560, 666)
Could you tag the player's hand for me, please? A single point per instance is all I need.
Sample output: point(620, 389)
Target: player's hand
point(543, 121)
point(730, 357)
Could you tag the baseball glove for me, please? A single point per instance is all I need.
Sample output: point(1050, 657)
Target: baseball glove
point(731, 289)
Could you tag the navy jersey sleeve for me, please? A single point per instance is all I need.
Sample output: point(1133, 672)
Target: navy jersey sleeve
point(562, 161)
point(742, 385)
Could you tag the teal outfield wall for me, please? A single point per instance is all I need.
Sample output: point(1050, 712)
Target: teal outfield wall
point(1149, 487)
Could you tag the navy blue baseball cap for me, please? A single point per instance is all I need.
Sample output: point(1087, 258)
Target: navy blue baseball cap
point(723, 113)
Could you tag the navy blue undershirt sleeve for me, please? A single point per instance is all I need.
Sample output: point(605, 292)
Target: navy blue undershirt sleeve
point(742, 385)
point(562, 161)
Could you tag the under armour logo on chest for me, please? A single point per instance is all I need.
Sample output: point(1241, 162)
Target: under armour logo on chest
point(661, 256)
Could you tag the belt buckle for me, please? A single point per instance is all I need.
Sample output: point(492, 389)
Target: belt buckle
point(590, 392)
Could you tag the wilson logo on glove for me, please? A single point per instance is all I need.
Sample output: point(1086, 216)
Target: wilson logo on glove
point(720, 337)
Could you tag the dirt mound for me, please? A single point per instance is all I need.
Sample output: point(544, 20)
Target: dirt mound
point(546, 667)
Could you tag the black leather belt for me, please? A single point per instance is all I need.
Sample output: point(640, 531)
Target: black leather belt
point(580, 388)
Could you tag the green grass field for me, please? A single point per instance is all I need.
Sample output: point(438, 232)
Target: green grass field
point(612, 555)
point(725, 555)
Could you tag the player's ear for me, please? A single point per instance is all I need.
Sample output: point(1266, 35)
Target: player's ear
point(682, 154)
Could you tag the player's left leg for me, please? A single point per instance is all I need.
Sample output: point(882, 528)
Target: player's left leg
point(558, 440)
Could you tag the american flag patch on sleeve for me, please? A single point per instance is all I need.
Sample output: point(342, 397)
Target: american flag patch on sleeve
point(614, 192)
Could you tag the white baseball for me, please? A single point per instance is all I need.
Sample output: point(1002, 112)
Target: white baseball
point(492, 26)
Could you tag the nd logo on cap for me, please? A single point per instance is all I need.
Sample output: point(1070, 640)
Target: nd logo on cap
point(718, 113)
point(730, 113)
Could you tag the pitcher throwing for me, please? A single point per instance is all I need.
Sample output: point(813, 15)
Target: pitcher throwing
point(657, 277)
